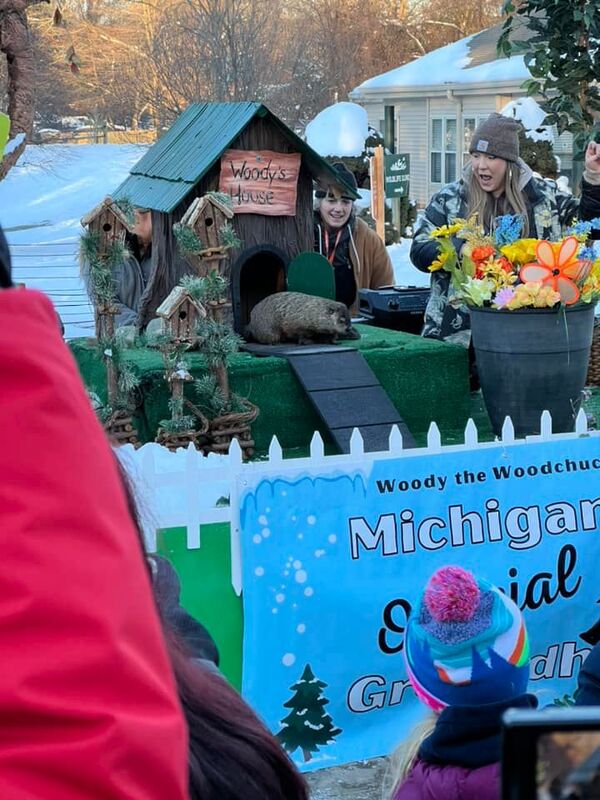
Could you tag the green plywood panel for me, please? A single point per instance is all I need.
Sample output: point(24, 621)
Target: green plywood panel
point(311, 273)
point(206, 590)
point(4, 129)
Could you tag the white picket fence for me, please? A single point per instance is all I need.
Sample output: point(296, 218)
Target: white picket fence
point(181, 489)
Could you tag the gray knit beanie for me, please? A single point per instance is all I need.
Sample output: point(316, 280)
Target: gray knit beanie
point(497, 136)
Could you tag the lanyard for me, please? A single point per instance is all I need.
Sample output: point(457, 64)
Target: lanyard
point(331, 256)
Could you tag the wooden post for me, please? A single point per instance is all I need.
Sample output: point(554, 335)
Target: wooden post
point(106, 331)
point(378, 191)
point(177, 395)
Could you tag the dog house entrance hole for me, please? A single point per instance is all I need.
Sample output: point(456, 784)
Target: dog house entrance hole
point(259, 272)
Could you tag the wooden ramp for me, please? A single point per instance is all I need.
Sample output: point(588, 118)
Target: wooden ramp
point(344, 391)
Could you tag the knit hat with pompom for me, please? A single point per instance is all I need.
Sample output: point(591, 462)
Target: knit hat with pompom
point(466, 643)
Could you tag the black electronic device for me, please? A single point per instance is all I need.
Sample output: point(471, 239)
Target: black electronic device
point(398, 307)
point(551, 754)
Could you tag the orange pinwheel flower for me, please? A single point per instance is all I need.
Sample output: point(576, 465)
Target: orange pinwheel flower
point(557, 267)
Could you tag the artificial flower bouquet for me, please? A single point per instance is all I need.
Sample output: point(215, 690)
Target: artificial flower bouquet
point(507, 272)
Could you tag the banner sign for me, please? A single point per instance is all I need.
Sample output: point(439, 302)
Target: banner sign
point(397, 175)
point(261, 181)
point(333, 562)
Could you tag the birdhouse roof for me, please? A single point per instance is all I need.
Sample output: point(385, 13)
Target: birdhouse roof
point(107, 204)
point(199, 204)
point(177, 296)
point(171, 168)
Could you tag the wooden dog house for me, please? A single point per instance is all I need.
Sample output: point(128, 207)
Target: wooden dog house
point(245, 151)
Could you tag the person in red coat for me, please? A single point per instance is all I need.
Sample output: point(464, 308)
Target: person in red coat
point(88, 705)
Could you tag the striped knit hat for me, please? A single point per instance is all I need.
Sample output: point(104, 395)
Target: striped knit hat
point(466, 643)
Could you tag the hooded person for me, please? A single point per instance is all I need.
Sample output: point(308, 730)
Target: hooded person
point(88, 701)
point(358, 256)
point(496, 182)
point(467, 658)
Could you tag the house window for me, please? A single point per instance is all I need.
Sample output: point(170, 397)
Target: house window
point(443, 149)
point(469, 125)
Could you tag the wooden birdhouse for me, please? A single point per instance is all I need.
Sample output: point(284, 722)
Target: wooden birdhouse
point(108, 222)
point(180, 314)
point(206, 216)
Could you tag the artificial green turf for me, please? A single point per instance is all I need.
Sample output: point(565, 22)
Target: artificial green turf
point(425, 379)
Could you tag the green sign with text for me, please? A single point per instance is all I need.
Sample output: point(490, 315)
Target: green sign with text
point(396, 175)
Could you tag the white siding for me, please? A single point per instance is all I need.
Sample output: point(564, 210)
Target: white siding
point(375, 115)
point(412, 137)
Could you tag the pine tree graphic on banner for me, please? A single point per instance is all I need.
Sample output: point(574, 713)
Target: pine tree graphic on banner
point(307, 725)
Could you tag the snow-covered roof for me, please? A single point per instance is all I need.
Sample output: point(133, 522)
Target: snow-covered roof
point(468, 61)
point(339, 130)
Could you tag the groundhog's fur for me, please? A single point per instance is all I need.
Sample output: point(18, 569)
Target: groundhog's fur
point(301, 318)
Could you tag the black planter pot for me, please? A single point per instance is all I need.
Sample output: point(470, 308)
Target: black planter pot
point(532, 360)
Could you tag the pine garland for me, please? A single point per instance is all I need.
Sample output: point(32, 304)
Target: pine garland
point(210, 396)
point(212, 401)
point(229, 237)
point(177, 424)
point(212, 288)
point(217, 342)
point(127, 208)
point(194, 286)
point(188, 243)
point(97, 271)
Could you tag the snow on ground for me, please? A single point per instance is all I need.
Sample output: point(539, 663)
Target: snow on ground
point(51, 188)
point(41, 202)
point(449, 64)
point(404, 272)
point(339, 130)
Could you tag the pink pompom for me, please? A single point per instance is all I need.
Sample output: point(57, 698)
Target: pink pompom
point(452, 595)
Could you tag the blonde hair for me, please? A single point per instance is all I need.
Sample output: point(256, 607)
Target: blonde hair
point(487, 207)
point(404, 756)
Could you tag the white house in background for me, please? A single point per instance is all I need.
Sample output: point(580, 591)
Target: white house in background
point(438, 101)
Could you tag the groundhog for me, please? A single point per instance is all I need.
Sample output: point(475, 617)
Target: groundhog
point(301, 318)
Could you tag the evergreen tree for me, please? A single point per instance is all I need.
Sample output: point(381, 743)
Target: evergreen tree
point(307, 725)
point(561, 51)
point(539, 155)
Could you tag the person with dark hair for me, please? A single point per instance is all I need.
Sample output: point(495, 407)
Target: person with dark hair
point(496, 182)
point(358, 256)
point(88, 702)
point(232, 755)
point(132, 276)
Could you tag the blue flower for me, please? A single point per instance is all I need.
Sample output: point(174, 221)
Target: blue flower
point(507, 229)
point(587, 253)
point(595, 223)
point(580, 229)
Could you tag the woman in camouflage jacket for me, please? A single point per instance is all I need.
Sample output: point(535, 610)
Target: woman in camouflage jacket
point(496, 182)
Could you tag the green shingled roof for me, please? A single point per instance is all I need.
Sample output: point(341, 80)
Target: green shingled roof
point(173, 166)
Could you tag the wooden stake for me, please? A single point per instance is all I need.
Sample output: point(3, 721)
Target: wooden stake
point(376, 164)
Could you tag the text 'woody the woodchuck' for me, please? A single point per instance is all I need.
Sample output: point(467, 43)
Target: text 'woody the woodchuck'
point(301, 318)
